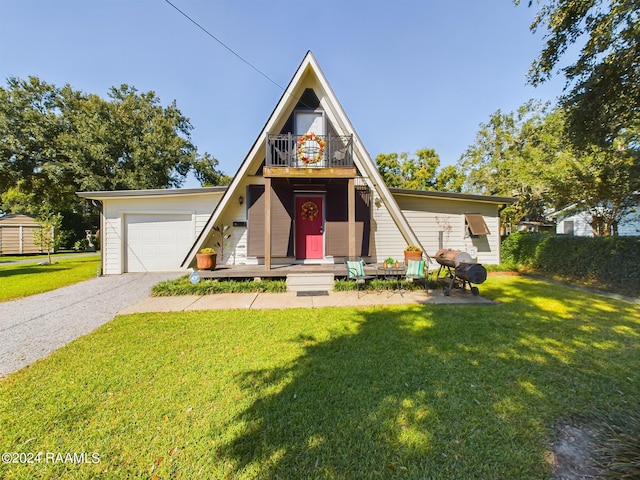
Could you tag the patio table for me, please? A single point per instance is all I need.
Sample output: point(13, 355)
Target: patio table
point(387, 272)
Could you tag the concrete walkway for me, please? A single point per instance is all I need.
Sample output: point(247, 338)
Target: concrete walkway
point(263, 301)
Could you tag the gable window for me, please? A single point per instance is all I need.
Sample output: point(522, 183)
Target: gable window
point(309, 122)
point(475, 225)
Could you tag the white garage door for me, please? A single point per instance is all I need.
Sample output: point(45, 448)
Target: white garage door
point(157, 243)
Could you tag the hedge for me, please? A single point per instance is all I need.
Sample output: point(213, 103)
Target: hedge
point(610, 263)
point(182, 286)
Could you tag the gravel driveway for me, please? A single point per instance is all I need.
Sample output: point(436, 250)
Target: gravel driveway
point(33, 327)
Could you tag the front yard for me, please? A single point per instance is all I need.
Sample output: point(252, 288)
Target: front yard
point(404, 392)
point(25, 279)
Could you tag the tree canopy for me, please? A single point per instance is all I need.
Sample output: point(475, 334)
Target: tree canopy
point(56, 141)
point(526, 154)
point(418, 172)
point(602, 98)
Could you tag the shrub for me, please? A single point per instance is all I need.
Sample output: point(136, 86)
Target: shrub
point(619, 446)
point(612, 263)
point(182, 286)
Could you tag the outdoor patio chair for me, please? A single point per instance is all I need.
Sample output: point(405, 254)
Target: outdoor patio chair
point(338, 157)
point(283, 157)
point(355, 271)
point(417, 270)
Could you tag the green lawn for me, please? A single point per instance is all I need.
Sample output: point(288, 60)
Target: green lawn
point(453, 392)
point(22, 280)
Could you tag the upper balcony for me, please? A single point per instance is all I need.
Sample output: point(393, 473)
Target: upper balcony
point(291, 155)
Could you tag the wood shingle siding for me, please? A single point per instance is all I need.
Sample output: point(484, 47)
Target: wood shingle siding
point(337, 239)
point(281, 222)
point(255, 221)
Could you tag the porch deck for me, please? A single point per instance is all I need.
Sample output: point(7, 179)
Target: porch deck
point(277, 271)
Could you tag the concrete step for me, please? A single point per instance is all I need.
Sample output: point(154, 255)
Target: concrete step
point(309, 282)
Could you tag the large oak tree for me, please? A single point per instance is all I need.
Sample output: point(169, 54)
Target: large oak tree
point(56, 141)
point(602, 94)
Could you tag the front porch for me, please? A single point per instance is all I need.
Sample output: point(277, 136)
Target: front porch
point(307, 219)
point(237, 272)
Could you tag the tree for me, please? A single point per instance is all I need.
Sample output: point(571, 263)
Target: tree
point(418, 172)
point(449, 179)
point(602, 98)
point(526, 154)
point(57, 141)
point(29, 127)
point(204, 169)
point(129, 142)
point(50, 236)
point(390, 169)
point(515, 155)
point(603, 184)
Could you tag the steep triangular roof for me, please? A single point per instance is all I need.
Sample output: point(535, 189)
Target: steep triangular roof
point(308, 75)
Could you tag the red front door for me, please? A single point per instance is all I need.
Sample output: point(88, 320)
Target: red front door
point(309, 231)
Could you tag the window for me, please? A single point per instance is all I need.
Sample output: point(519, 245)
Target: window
point(475, 225)
point(568, 227)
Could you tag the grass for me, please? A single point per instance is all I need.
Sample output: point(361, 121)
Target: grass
point(404, 392)
point(23, 280)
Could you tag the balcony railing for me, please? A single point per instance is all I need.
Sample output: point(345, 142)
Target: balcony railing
point(310, 151)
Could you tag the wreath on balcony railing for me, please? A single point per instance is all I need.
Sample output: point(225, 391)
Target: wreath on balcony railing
point(309, 211)
point(307, 152)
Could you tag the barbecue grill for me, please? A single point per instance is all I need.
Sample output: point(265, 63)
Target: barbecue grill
point(460, 270)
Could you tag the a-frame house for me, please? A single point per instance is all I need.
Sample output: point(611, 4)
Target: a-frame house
point(308, 190)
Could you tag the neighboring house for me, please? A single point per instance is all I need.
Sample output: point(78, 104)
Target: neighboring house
point(16, 235)
point(572, 222)
point(307, 192)
point(537, 227)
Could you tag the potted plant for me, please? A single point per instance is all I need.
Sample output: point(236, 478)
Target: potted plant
point(412, 252)
point(389, 262)
point(206, 259)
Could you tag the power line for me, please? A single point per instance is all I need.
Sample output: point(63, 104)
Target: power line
point(224, 45)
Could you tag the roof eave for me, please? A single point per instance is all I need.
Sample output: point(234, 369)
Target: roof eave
point(453, 196)
point(113, 194)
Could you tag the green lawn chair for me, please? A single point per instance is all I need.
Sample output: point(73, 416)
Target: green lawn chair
point(355, 271)
point(417, 270)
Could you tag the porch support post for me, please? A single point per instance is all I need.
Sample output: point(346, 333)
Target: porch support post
point(352, 217)
point(267, 223)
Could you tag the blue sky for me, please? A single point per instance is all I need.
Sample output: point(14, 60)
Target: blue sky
point(409, 74)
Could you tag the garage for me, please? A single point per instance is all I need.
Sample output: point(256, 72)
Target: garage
point(157, 242)
point(151, 230)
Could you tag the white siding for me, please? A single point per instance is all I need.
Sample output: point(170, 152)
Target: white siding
point(629, 225)
point(577, 225)
point(112, 240)
point(387, 238)
point(440, 223)
point(236, 251)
